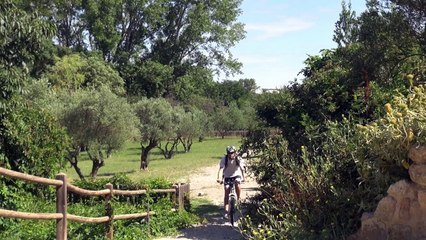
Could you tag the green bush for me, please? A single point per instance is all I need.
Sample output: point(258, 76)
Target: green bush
point(316, 192)
point(320, 190)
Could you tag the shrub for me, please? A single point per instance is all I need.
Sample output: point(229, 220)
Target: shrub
point(390, 137)
point(316, 192)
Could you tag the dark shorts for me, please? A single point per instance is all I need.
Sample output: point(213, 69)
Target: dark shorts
point(227, 181)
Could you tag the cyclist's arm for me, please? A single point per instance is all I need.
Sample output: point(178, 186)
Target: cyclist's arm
point(242, 173)
point(218, 175)
point(221, 167)
point(242, 166)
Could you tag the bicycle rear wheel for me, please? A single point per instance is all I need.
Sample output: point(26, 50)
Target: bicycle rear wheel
point(232, 210)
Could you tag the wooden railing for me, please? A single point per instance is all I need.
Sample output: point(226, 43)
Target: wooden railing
point(62, 187)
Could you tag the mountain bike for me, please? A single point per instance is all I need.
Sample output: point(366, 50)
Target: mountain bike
point(233, 199)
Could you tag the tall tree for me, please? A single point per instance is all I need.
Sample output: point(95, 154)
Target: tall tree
point(76, 71)
point(346, 31)
point(176, 34)
point(414, 11)
point(28, 136)
point(66, 15)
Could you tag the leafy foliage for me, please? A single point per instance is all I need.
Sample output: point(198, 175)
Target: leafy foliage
point(162, 223)
point(322, 160)
point(100, 121)
point(317, 193)
point(389, 138)
point(36, 143)
point(156, 123)
point(22, 37)
point(73, 72)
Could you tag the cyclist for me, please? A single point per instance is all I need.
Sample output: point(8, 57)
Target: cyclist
point(232, 166)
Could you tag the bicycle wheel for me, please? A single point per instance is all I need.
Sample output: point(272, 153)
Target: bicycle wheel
point(232, 210)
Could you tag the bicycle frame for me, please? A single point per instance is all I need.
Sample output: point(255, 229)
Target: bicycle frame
point(232, 200)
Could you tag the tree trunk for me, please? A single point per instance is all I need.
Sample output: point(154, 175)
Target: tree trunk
point(187, 143)
point(182, 140)
point(97, 163)
point(73, 160)
point(144, 153)
point(109, 152)
point(168, 153)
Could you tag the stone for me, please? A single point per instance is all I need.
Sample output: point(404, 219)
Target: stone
point(385, 209)
point(402, 213)
point(420, 230)
point(415, 210)
point(421, 196)
point(401, 189)
point(404, 209)
point(418, 174)
point(418, 154)
point(399, 232)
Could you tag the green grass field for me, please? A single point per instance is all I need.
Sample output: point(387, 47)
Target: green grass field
point(127, 160)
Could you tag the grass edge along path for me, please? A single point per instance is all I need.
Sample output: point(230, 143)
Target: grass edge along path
point(180, 166)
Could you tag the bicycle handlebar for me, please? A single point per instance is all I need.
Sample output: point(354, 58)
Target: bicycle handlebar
point(221, 181)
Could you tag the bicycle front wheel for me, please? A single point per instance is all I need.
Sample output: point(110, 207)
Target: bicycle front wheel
point(232, 210)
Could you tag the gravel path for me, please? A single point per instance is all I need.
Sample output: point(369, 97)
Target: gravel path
point(203, 185)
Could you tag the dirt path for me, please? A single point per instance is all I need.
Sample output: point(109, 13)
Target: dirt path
point(203, 185)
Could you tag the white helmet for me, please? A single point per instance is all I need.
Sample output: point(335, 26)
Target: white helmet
point(230, 149)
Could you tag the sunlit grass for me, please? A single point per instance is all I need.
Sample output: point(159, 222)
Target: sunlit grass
point(182, 164)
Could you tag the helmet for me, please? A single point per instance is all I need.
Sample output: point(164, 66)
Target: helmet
point(230, 149)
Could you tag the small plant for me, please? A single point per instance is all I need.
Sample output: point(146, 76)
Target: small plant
point(390, 137)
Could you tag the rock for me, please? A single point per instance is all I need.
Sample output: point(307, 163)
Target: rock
point(385, 209)
point(418, 174)
point(418, 154)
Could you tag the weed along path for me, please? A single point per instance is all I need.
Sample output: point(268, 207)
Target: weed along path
point(207, 199)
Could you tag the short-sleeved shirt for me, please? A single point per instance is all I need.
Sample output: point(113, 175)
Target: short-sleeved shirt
point(232, 169)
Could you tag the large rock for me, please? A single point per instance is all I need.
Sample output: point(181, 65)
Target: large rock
point(418, 154)
point(402, 213)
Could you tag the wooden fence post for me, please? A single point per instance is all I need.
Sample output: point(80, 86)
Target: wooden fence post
point(61, 207)
point(109, 213)
point(185, 194)
point(175, 195)
point(182, 190)
point(180, 196)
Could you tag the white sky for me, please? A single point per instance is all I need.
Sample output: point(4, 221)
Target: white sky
point(282, 33)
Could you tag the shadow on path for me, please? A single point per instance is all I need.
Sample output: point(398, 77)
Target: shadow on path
point(216, 228)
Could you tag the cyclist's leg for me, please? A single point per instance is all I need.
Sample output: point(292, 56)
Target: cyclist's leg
point(237, 187)
point(226, 198)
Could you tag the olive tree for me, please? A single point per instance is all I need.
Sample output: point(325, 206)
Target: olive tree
point(194, 124)
point(156, 123)
point(101, 122)
point(229, 118)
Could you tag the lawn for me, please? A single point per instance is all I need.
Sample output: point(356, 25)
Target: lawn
point(127, 160)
